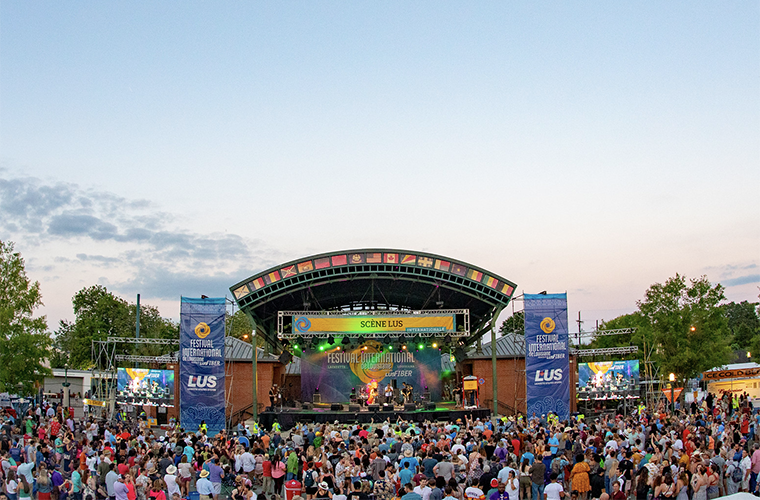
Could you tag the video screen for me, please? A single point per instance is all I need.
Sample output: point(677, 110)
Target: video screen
point(608, 380)
point(141, 386)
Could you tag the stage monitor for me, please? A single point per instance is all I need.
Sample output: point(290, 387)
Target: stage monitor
point(608, 380)
point(141, 386)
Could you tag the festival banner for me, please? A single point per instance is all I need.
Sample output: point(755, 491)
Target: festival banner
point(335, 372)
point(202, 364)
point(416, 323)
point(547, 357)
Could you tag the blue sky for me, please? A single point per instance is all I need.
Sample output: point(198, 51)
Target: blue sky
point(175, 149)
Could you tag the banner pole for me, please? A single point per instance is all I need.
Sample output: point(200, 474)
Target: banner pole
point(494, 379)
point(254, 379)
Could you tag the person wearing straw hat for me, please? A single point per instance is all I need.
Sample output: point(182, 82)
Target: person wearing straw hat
point(203, 486)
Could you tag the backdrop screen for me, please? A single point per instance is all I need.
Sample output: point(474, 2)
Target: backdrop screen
point(608, 379)
point(140, 384)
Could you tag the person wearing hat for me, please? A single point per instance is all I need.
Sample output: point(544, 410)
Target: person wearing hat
point(323, 491)
point(170, 478)
point(203, 486)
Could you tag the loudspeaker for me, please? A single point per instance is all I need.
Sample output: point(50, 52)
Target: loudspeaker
point(374, 408)
point(354, 408)
point(387, 407)
point(410, 407)
point(285, 357)
point(336, 407)
point(430, 406)
point(393, 383)
point(308, 406)
point(316, 398)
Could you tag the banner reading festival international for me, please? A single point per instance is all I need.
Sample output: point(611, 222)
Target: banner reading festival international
point(335, 371)
point(202, 364)
point(547, 357)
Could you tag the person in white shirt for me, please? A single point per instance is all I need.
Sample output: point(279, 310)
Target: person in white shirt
point(553, 490)
point(423, 489)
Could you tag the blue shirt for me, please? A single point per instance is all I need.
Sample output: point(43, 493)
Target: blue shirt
point(529, 456)
point(405, 476)
point(554, 444)
point(215, 473)
point(204, 486)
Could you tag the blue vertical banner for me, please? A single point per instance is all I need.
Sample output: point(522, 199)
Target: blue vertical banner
point(201, 370)
point(547, 356)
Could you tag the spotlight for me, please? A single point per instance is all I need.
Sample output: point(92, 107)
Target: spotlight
point(420, 346)
point(331, 340)
point(435, 345)
point(402, 339)
point(403, 347)
point(345, 341)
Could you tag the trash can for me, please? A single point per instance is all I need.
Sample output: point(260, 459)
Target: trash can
point(292, 488)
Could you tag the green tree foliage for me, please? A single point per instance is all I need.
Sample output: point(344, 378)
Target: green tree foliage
point(238, 325)
point(513, 324)
point(687, 325)
point(743, 323)
point(24, 339)
point(100, 314)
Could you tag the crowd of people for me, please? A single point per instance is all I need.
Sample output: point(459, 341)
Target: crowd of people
point(651, 455)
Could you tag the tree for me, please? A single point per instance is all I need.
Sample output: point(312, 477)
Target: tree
point(743, 324)
point(239, 325)
point(640, 336)
point(24, 339)
point(687, 324)
point(513, 324)
point(98, 314)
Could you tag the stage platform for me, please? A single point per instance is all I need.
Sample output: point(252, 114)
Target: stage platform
point(321, 413)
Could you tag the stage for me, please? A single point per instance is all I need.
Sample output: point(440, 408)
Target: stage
point(321, 413)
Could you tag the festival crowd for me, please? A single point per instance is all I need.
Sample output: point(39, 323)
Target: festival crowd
point(708, 452)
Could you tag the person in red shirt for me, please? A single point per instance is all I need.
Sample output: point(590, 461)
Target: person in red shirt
point(266, 467)
point(55, 427)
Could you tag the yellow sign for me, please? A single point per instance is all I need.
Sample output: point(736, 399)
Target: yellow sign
point(410, 324)
point(152, 422)
point(470, 385)
point(547, 325)
point(202, 330)
point(94, 402)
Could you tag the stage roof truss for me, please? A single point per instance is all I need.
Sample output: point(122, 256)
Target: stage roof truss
point(607, 351)
point(372, 279)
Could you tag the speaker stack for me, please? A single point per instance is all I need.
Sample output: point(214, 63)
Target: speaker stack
point(354, 408)
point(336, 407)
point(410, 407)
point(373, 408)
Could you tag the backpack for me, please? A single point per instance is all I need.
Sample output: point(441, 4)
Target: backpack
point(308, 479)
point(736, 475)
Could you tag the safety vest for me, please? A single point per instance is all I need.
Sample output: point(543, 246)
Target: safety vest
point(203, 427)
point(256, 429)
point(276, 427)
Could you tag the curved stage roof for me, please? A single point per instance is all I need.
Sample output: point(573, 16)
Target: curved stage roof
point(373, 279)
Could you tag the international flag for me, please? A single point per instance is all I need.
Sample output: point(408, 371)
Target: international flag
point(241, 292)
point(374, 258)
point(272, 277)
point(391, 258)
point(257, 283)
point(305, 267)
point(474, 275)
point(289, 271)
point(356, 258)
point(425, 262)
point(459, 269)
point(491, 281)
point(507, 290)
point(409, 259)
point(322, 263)
point(339, 260)
point(442, 265)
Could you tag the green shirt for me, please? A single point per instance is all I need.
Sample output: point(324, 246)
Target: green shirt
point(292, 466)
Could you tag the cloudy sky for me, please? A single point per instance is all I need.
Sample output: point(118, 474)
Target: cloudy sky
point(175, 149)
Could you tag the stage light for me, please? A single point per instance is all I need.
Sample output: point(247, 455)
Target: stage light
point(295, 346)
point(435, 345)
point(345, 341)
point(390, 347)
point(420, 346)
point(338, 348)
point(402, 339)
point(403, 347)
point(321, 348)
point(331, 340)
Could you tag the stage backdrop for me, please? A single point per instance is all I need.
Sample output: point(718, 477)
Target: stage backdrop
point(202, 364)
point(335, 371)
point(547, 357)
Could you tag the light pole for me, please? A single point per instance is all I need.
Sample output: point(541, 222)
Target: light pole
point(66, 385)
point(672, 378)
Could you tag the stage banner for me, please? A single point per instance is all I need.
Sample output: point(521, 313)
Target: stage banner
point(547, 357)
point(335, 372)
point(202, 364)
point(401, 323)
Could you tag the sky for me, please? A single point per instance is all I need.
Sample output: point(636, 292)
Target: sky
point(172, 149)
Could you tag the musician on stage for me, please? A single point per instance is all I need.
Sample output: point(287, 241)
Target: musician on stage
point(272, 395)
point(389, 393)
